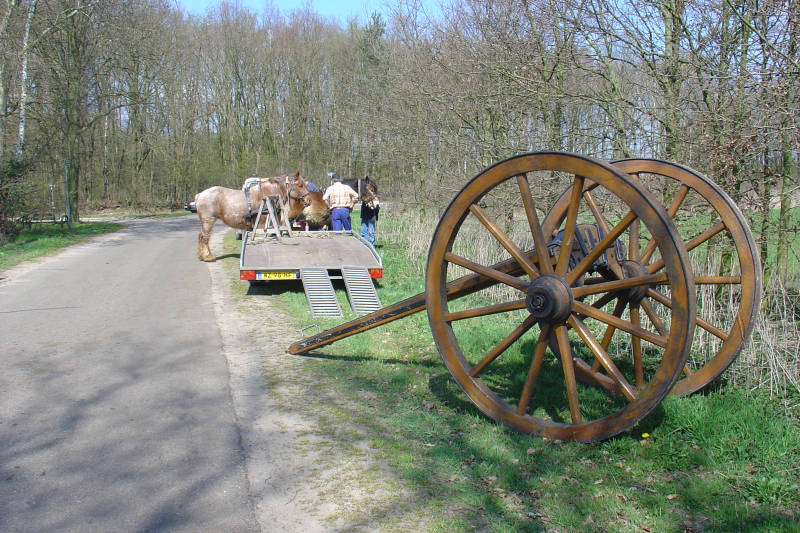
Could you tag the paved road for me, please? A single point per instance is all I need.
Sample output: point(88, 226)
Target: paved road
point(115, 408)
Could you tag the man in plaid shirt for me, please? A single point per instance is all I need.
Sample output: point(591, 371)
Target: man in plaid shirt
point(340, 198)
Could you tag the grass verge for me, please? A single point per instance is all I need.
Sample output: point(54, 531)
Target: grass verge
point(725, 460)
point(44, 239)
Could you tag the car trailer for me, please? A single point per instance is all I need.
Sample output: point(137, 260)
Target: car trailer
point(276, 252)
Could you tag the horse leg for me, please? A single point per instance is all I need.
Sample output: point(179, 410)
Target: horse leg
point(203, 249)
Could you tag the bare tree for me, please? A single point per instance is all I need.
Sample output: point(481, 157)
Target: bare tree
point(23, 97)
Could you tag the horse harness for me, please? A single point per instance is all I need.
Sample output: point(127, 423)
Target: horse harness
point(294, 189)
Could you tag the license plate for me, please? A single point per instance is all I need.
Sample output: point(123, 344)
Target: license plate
point(278, 274)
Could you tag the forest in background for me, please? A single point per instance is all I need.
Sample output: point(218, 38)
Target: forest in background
point(143, 106)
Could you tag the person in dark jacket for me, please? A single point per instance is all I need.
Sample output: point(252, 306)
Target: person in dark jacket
point(369, 217)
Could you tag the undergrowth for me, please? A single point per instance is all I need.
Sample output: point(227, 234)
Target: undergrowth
point(46, 238)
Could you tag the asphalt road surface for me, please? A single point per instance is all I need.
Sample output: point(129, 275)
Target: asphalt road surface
point(115, 406)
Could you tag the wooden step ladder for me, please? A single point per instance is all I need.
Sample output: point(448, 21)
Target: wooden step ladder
point(270, 207)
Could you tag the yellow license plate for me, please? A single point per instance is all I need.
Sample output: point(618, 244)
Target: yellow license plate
point(278, 274)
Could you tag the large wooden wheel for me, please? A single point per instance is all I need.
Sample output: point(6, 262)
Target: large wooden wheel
point(724, 260)
point(552, 294)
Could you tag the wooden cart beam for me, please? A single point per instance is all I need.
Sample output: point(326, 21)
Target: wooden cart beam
point(455, 289)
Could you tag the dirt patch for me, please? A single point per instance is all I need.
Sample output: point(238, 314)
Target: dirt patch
point(302, 477)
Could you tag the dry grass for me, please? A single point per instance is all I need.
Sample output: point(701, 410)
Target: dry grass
point(771, 360)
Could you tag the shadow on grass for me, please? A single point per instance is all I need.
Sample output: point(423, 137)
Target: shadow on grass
point(330, 356)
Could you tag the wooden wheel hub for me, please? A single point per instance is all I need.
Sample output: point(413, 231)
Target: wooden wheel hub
point(549, 299)
point(634, 269)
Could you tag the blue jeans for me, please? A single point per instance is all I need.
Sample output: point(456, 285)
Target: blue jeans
point(340, 219)
point(368, 231)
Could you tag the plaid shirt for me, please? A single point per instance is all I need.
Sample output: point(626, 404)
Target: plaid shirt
point(339, 195)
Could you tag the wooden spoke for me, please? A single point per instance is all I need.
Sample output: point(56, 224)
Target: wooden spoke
point(486, 271)
point(619, 307)
point(636, 347)
point(618, 285)
point(633, 238)
point(718, 333)
point(603, 300)
point(610, 329)
point(569, 227)
point(565, 350)
point(601, 221)
point(539, 240)
point(654, 319)
point(703, 237)
point(718, 280)
point(485, 311)
point(673, 208)
point(678, 200)
point(660, 298)
point(691, 245)
point(619, 323)
point(505, 241)
point(633, 241)
point(503, 346)
point(601, 355)
point(533, 370)
point(595, 209)
point(599, 248)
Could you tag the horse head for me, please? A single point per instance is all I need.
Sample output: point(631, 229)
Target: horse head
point(297, 189)
point(305, 204)
point(369, 190)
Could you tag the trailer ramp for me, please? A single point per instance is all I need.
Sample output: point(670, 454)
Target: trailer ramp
point(319, 291)
point(360, 290)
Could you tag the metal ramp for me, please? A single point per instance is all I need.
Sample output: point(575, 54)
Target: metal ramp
point(319, 291)
point(360, 290)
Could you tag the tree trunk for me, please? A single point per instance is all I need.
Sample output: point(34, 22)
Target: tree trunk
point(3, 89)
point(23, 97)
point(74, 172)
point(765, 221)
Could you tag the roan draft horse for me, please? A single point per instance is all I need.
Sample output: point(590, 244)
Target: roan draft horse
point(233, 208)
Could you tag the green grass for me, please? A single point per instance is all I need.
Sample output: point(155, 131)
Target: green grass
point(726, 460)
point(44, 239)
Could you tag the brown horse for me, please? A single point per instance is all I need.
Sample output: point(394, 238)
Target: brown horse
point(233, 207)
point(305, 204)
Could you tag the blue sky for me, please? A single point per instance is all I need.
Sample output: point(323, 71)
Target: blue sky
point(341, 10)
